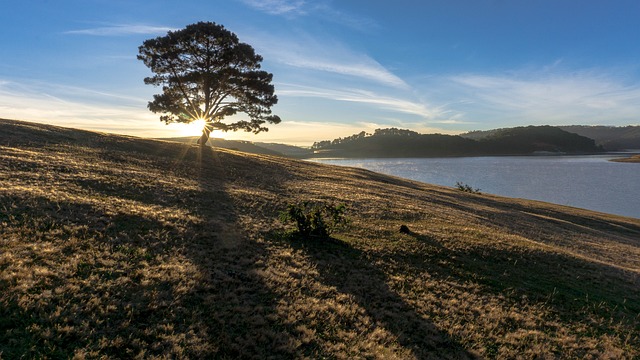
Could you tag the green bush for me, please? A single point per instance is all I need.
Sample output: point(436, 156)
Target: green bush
point(315, 219)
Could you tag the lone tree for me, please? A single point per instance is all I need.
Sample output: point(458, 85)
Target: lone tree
point(207, 74)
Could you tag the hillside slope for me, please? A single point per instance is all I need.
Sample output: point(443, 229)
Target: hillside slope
point(239, 145)
point(118, 247)
point(612, 138)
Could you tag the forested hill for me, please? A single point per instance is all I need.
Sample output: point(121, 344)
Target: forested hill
point(406, 143)
point(611, 138)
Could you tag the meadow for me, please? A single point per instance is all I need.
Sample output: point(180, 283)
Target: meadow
point(121, 247)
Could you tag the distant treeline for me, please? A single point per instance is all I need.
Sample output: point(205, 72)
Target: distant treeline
point(611, 138)
point(406, 143)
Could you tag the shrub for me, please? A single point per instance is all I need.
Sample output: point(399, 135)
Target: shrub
point(314, 219)
point(466, 188)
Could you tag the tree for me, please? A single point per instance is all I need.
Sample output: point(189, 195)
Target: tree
point(207, 74)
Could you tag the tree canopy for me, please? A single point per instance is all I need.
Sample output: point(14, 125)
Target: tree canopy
point(207, 74)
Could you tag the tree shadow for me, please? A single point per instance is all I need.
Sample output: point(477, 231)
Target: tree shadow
point(144, 284)
point(516, 217)
point(576, 290)
point(350, 271)
point(425, 239)
point(546, 225)
point(230, 307)
point(565, 283)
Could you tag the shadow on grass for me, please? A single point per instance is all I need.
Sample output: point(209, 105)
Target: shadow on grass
point(124, 284)
point(425, 239)
point(350, 271)
point(577, 291)
point(526, 219)
point(232, 303)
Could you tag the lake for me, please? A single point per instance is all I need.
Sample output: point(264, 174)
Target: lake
point(590, 182)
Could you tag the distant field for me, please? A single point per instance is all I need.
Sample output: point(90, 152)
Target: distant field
point(119, 247)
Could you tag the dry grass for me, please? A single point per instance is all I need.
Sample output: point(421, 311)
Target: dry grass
point(631, 159)
point(115, 247)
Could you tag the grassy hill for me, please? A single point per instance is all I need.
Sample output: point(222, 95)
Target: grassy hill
point(119, 247)
point(239, 145)
point(249, 146)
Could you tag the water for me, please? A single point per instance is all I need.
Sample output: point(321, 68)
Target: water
point(590, 182)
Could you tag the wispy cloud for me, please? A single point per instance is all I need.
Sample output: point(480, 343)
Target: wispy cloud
point(589, 97)
point(305, 133)
point(96, 110)
point(121, 30)
point(278, 7)
point(307, 52)
point(317, 8)
point(79, 108)
point(361, 67)
point(365, 97)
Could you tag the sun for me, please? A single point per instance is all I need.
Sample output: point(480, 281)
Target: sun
point(193, 128)
point(198, 123)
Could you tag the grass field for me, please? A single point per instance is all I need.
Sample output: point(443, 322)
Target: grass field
point(119, 247)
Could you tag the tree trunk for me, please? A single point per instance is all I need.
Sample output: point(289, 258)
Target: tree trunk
point(205, 136)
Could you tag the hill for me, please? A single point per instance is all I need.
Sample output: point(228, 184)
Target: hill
point(405, 143)
point(532, 139)
point(286, 150)
point(249, 146)
point(119, 247)
point(612, 138)
point(240, 145)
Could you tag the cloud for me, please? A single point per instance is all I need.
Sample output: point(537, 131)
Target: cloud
point(305, 133)
point(365, 97)
point(326, 56)
point(316, 8)
point(278, 7)
point(97, 110)
point(587, 97)
point(301, 133)
point(359, 66)
point(121, 30)
point(453, 122)
point(78, 108)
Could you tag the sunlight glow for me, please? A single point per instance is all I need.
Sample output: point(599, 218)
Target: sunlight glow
point(195, 128)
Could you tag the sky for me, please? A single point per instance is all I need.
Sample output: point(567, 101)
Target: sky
point(339, 67)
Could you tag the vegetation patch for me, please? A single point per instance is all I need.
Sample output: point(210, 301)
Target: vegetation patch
point(315, 220)
point(467, 188)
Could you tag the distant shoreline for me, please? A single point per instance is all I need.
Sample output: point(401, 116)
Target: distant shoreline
point(539, 155)
point(632, 159)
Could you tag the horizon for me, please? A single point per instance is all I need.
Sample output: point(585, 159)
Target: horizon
point(339, 68)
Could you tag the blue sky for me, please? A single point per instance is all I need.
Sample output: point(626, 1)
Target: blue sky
point(339, 67)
